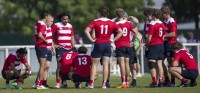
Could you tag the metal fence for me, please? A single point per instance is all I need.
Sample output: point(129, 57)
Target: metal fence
point(193, 48)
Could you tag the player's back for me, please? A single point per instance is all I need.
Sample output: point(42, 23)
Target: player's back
point(82, 63)
point(104, 27)
point(157, 30)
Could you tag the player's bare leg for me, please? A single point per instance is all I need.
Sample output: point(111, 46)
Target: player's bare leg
point(46, 73)
point(105, 70)
point(122, 70)
point(58, 79)
point(41, 71)
point(127, 71)
point(133, 72)
point(152, 67)
point(160, 72)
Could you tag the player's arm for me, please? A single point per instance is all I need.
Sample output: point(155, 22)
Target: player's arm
point(87, 33)
point(119, 34)
point(12, 65)
point(170, 35)
point(93, 34)
point(135, 31)
point(148, 41)
point(174, 63)
point(73, 41)
point(28, 67)
point(42, 37)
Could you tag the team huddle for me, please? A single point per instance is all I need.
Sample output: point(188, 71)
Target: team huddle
point(74, 64)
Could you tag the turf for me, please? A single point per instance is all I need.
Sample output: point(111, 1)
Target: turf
point(142, 84)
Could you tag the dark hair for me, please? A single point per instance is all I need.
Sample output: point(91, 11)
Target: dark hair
point(165, 10)
point(22, 50)
point(177, 46)
point(157, 13)
point(43, 14)
point(104, 11)
point(82, 49)
point(148, 11)
point(61, 15)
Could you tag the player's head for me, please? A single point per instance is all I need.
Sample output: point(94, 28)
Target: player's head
point(64, 17)
point(82, 50)
point(49, 21)
point(165, 11)
point(21, 52)
point(134, 21)
point(44, 14)
point(119, 13)
point(148, 13)
point(103, 11)
point(177, 46)
point(156, 14)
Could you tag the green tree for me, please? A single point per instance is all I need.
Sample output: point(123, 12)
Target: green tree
point(185, 10)
point(21, 15)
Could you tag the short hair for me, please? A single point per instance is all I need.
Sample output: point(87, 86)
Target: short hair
point(157, 13)
point(165, 10)
point(44, 13)
point(177, 46)
point(82, 49)
point(104, 11)
point(148, 11)
point(22, 50)
point(61, 15)
point(120, 13)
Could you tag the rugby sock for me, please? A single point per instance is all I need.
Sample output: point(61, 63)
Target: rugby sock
point(17, 81)
point(127, 80)
point(173, 80)
point(161, 80)
point(104, 82)
point(43, 82)
point(40, 82)
point(123, 80)
point(57, 81)
point(7, 82)
point(91, 82)
point(154, 80)
point(184, 80)
point(167, 78)
point(107, 81)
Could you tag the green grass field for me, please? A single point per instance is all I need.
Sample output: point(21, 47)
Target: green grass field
point(142, 84)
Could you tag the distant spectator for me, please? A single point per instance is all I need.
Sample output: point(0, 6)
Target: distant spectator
point(191, 39)
point(192, 49)
point(181, 38)
point(78, 39)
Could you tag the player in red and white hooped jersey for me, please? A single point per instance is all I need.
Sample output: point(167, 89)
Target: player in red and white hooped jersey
point(188, 69)
point(170, 38)
point(155, 48)
point(103, 27)
point(43, 53)
point(123, 46)
point(10, 71)
point(64, 39)
point(64, 66)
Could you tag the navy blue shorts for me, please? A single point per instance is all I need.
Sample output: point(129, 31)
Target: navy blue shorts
point(168, 52)
point(60, 52)
point(189, 74)
point(100, 50)
point(123, 52)
point(15, 76)
point(64, 76)
point(155, 52)
point(77, 78)
point(133, 57)
point(42, 52)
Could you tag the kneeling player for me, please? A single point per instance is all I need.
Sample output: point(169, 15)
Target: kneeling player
point(64, 66)
point(10, 71)
point(188, 69)
point(80, 69)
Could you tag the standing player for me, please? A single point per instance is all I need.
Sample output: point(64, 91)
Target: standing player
point(10, 71)
point(103, 27)
point(64, 39)
point(64, 66)
point(123, 47)
point(155, 48)
point(80, 69)
point(42, 52)
point(188, 69)
point(170, 38)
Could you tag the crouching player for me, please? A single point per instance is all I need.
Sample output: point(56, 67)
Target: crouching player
point(80, 69)
point(64, 66)
point(10, 71)
point(188, 69)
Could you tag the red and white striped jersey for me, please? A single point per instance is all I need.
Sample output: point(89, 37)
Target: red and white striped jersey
point(63, 34)
point(40, 27)
point(49, 38)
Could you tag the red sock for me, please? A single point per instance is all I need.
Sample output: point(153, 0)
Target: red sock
point(154, 80)
point(127, 79)
point(40, 82)
point(17, 81)
point(123, 79)
point(57, 80)
point(161, 80)
point(104, 82)
point(91, 82)
point(43, 82)
point(36, 81)
point(183, 80)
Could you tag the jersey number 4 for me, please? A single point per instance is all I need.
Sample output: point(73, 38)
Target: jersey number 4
point(82, 61)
